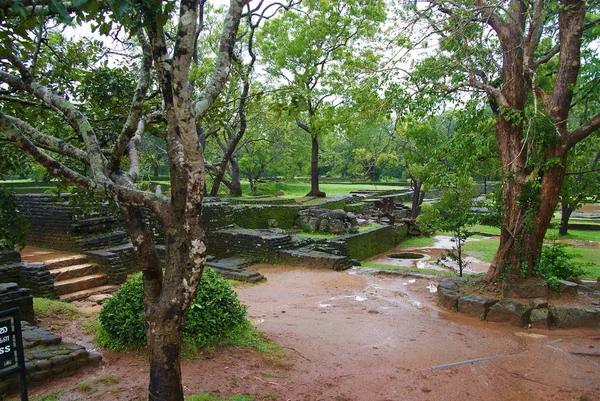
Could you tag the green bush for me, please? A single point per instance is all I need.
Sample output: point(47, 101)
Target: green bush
point(556, 264)
point(215, 311)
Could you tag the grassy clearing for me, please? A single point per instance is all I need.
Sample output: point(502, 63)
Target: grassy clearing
point(484, 249)
point(48, 308)
point(489, 230)
point(417, 242)
point(577, 235)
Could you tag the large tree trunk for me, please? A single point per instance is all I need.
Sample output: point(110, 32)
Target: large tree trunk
point(528, 211)
point(314, 169)
point(165, 303)
point(164, 347)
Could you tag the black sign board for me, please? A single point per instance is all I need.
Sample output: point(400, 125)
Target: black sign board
point(12, 359)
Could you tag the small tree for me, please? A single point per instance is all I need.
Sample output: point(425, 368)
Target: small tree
point(452, 213)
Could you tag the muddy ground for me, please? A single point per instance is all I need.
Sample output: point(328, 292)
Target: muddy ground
point(359, 336)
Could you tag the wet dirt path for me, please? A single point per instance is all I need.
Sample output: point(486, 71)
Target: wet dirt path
point(362, 337)
point(365, 337)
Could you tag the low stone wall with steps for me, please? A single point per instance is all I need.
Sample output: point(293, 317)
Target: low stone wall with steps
point(33, 276)
point(261, 244)
point(47, 357)
point(116, 262)
point(76, 277)
point(313, 259)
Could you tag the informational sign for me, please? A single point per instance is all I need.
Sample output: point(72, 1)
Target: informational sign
point(8, 346)
point(12, 359)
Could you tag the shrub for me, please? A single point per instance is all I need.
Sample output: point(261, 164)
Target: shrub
point(556, 264)
point(214, 312)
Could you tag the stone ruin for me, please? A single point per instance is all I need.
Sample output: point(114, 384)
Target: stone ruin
point(327, 221)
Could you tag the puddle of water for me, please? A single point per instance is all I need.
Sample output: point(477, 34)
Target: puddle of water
point(360, 298)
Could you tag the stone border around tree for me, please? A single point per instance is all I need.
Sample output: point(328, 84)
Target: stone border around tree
point(534, 313)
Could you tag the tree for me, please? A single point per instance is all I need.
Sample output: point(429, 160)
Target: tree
point(445, 151)
point(168, 294)
point(582, 182)
point(526, 57)
point(316, 53)
point(452, 213)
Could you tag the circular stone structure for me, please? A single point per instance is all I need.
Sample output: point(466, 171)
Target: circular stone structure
point(406, 255)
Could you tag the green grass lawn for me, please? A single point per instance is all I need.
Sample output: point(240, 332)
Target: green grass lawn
point(417, 242)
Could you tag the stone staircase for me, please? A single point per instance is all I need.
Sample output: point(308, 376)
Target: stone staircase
point(99, 232)
point(75, 278)
point(235, 267)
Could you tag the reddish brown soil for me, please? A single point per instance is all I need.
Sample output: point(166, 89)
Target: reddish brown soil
point(354, 336)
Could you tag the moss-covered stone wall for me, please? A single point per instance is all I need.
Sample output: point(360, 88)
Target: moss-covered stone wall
point(372, 242)
point(50, 220)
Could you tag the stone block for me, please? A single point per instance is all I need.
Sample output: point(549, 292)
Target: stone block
point(567, 287)
point(538, 303)
point(448, 284)
point(448, 299)
point(564, 317)
point(525, 288)
point(509, 311)
point(539, 318)
point(475, 305)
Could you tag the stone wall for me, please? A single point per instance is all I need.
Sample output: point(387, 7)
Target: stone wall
point(12, 296)
point(116, 263)
point(244, 242)
point(372, 242)
point(50, 220)
point(46, 358)
point(34, 276)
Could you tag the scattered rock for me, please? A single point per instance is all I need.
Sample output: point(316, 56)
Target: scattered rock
point(329, 221)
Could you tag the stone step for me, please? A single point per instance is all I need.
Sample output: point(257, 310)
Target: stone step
point(102, 241)
point(80, 283)
point(241, 275)
point(96, 225)
point(65, 261)
point(69, 272)
point(91, 292)
point(315, 259)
